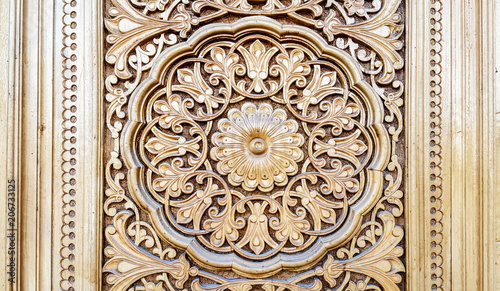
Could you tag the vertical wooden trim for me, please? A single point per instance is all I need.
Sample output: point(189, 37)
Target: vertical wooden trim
point(472, 132)
point(46, 145)
point(427, 247)
point(80, 212)
point(490, 175)
point(417, 53)
point(35, 144)
point(29, 148)
point(58, 192)
point(446, 141)
point(435, 192)
point(92, 55)
point(494, 202)
point(28, 136)
point(458, 136)
point(72, 153)
point(10, 34)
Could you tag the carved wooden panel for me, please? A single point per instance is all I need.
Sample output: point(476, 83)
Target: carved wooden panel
point(250, 145)
point(254, 145)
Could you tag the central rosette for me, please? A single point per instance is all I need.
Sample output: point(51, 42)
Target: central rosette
point(257, 147)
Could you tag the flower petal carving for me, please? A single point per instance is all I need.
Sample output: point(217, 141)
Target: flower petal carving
point(257, 61)
point(257, 236)
point(163, 146)
point(321, 86)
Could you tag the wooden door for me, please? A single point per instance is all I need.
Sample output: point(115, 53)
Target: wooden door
point(250, 145)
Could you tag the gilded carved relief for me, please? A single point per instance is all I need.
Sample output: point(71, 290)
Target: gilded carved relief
point(254, 145)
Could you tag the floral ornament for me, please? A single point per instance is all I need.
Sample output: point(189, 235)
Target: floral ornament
point(242, 4)
point(258, 7)
point(222, 171)
point(381, 261)
point(128, 28)
point(381, 33)
point(355, 7)
point(257, 147)
point(257, 61)
point(152, 5)
point(257, 235)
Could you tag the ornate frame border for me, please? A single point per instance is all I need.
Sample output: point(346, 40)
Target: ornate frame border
point(435, 130)
point(453, 119)
point(240, 27)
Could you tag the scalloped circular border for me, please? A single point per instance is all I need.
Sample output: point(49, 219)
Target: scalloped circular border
point(230, 261)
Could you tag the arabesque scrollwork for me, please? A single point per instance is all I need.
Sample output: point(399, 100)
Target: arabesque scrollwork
point(254, 147)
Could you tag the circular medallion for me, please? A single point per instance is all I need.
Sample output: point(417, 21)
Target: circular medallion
point(255, 147)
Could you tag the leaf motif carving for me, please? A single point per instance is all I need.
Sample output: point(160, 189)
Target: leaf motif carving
point(381, 33)
point(128, 263)
point(128, 29)
point(381, 262)
point(255, 141)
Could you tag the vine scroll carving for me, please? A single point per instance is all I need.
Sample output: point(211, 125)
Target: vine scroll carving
point(254, 145)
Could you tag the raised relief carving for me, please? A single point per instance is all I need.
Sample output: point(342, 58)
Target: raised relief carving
point(257, 147)
point(251, 150)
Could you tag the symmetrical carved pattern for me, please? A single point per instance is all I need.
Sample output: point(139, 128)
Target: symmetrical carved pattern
point(250, 149)
point(257, 147)
point(68, 157)
point(436, 182)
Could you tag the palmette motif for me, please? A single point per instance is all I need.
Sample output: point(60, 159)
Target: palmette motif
point(252, 147)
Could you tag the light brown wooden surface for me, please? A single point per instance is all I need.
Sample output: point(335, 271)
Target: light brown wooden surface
point(37, 67)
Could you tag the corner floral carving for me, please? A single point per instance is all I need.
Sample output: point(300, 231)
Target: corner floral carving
point(128, 263)
point(381, 262)
point(381, 32)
